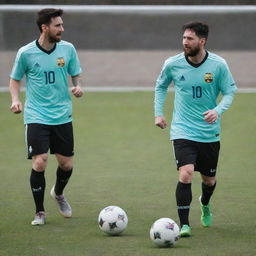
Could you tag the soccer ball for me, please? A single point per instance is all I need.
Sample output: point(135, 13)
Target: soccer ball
point(164, 232)
point(112, 220)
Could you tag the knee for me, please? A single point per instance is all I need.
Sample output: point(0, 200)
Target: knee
point(210, 181)
point(66, 166)
point(39, 162)
point(65, 163)
point(186, 173)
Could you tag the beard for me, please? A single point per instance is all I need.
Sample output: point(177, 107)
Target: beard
point(191, 52)
point(54, 38)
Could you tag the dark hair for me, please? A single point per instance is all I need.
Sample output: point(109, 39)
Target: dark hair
point(45, 16)
point(200, 29)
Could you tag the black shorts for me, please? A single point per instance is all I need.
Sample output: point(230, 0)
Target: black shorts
point(204, 156)
point(41, 137)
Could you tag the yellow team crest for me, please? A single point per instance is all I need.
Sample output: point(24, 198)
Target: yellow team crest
point(208, 77)
point(61, 62)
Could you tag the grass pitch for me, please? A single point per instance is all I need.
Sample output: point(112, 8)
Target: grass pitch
point(123, 159)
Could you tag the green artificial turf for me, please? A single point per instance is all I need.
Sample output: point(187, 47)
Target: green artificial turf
point(122, 159)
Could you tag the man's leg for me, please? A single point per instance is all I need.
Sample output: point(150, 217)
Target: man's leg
point(207, 164)
point(37, 183)
point(208, 187)
point(184, 197)
point(63, 173)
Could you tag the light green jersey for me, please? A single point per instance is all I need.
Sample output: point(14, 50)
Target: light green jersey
point(196, 90)
point(48, 99)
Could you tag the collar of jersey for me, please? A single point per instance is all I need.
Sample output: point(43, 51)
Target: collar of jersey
point(196, 65)
point(42, 49)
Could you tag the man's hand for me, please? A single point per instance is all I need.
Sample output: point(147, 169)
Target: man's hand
point(77, 91)
point(160, 122)
point(210, 116)
point(16, 107)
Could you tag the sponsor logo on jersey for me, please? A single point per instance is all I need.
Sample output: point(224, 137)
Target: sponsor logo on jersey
point(61, 62)
point(208, 77)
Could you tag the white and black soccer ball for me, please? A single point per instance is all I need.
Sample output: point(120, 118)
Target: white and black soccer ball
point(164, 232)
point(113, 220)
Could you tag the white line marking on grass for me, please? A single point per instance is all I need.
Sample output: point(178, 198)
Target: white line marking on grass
point(129, 89)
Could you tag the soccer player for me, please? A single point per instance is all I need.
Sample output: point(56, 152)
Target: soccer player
point(46, 63)
point(199, 76)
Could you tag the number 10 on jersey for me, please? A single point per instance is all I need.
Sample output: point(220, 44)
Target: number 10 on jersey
point(196, 91)
point(49, 77)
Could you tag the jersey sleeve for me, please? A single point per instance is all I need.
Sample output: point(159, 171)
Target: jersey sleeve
point(74, 67)
point(227, 87)
point(227, 84)
point(19, 67)
point(162, 84)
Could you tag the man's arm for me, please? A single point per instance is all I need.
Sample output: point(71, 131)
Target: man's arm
point(77, 86)
point(212, 115)
point(14, 88)
point(162, 84)
point(225, 103)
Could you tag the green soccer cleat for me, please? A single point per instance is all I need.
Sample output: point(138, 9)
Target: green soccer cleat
point(185, 231)
point(206, 216)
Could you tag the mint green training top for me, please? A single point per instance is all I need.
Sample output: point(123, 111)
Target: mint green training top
point(196, 90)
point(48, 98)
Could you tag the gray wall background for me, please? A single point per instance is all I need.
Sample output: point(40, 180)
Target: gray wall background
point(118, 28)
point(121, 47)
point(132, 2)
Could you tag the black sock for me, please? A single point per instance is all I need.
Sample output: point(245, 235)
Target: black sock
point(62, 180)
point(207, 192)
point(37, 183)
point(183, 199)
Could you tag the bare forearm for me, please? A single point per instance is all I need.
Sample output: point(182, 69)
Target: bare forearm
point(77, 86)
point(77, 80)
point(14, 88)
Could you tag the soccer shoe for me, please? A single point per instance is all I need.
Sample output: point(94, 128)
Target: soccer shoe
point(185, 231)
point(64, 207)
point(39, 219)
point(206, 216)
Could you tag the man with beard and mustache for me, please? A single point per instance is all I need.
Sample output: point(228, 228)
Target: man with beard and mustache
point(199, 76)
point(46, 63)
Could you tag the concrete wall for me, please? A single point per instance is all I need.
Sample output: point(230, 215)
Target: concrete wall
point(127, 47)
point(117, 28)
point(132, 2)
